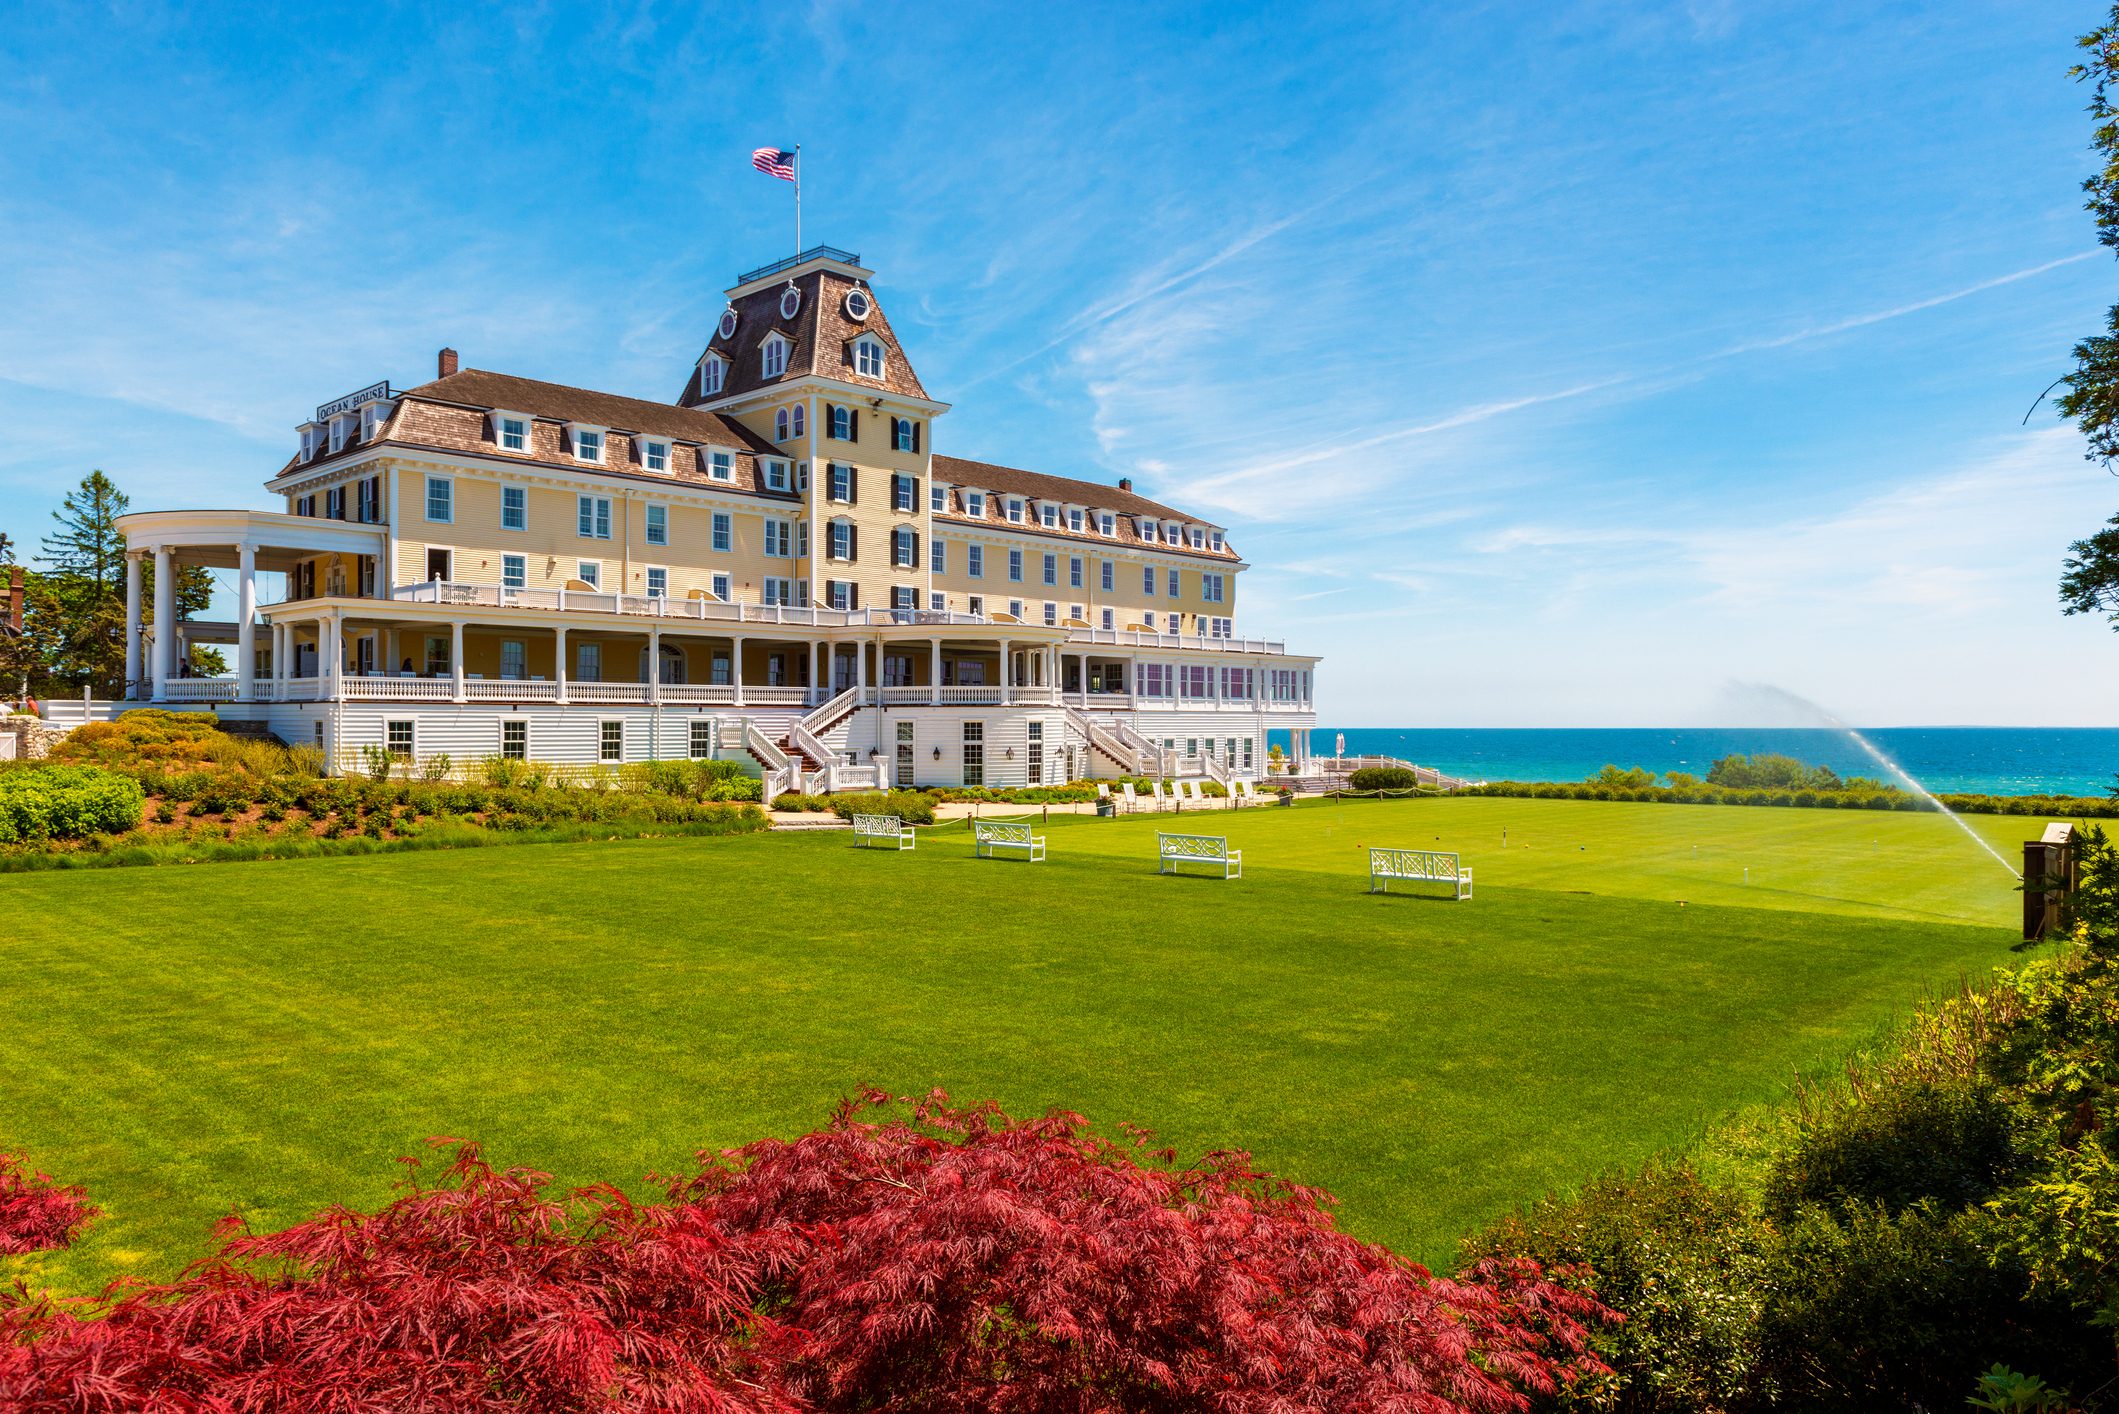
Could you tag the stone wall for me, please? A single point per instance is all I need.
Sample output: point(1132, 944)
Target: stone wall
point(30, 738)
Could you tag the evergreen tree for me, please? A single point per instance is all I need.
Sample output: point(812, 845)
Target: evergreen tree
point(87, 546)
point(7, 549)
point(2090, 582)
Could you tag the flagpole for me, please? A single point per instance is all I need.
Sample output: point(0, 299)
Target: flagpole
point(798, 198)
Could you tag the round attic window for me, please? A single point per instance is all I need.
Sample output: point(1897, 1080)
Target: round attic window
point(858, 304)
point(727, 326)
point(790, 302)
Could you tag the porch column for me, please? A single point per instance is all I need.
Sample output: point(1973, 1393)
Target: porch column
point(860, 671)
point(934, 671)
point(335, 653)
point(654, 665)
point(165, 650)
point(279, 661)
point(1007, 673)
point(735, 668)
point(1052, 681)
point(819, 679)
point(456, 659)
point(132, 625)
point(246, 623)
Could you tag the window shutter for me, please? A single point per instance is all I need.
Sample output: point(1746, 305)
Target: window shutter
point(916, 435)
point(853, 486)
point(913, 538)
point(853, 543)
point(853, 424)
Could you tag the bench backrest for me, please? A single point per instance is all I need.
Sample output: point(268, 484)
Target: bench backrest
point(1413, 863)
point(1193, 846)
point(878, 825)
point(1156, 787)
point(1127, 791)
point(990, 832)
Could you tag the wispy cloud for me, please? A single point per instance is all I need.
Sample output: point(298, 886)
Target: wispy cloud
point(1859, 321)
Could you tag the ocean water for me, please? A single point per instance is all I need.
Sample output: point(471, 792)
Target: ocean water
point(1987, 760)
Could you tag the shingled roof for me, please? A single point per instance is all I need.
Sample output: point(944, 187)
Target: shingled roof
point(1065, 490)
point(476, 387)
point(822, 335)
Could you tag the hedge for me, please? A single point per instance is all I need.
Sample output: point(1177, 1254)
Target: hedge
point(67, 803)
point(2076, 807)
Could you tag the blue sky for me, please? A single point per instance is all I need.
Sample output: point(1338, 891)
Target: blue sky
point(1553, 365)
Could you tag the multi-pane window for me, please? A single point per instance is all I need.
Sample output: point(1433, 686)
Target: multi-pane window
point(593, 517)
point(1147, 579)
point(441, 499)
point(775, 474)
point(655, 455)
point(1037, 753)
point(721, 587)
point(335, 503)
point(1052, 569)
point(1109, 622)
point(1110, 576)
point(1147, 531)
point(773, 357)
point(975, 504)
point(904, 598)
point(838, 594)
point(1074, 571)
point(723, 535)
point(779, 591)
point(838, 540)
point(1210, 588)
point(514, 508)
point(397, 738)
point(779, 539)
point(839, 482)
point(1173, 584)
point(658, 525)
point(976, 606)
point(1051, 614)
point(1147, 620)
point(437, 656)
point(589, 572)
point(1107, 523)
point(1216, 541)
point(974, 753)
point(1015, 566)
point(515, 739)
point(702, 738)
point(905, 547)
point(1048, 516)
point(712, 374)
point(903, 491)
point(937, 497)
point(1195, 680)
point(1015, 510)
point(514, 434)
point(721, 466)
point(975, 561)
point(610, 741)
point(840, 423)
point(588, 446)
point(904, 434)
point(658, 582)
point(306, 505)
point(1152, 680)
point(938, 601)
point(1236, 684)
point(1074, 521)
point(940, 552)
point(514, 572)
point(868, 358)
point(513, 658)
point(588, 662)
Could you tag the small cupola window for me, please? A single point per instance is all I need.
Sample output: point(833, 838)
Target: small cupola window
point(790, 301)
point(773, 356)
point(858, 304)
point(868, 356)
point(726, 329)
point(713, 374)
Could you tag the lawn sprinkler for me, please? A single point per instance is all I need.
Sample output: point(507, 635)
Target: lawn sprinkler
point(1504, 837)
point(1747, 875)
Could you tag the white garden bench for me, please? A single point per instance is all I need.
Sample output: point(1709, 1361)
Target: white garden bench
point(990, 835)
point(1132, 800)
point(882, 829)
point(1174, 850)
point(1424, 866)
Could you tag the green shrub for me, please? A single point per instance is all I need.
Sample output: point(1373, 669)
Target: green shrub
point(1384, 778)
point(1680, 1258)
point(67, 802)
point(796, 800)
point(913, 807)
point(1953, 1141)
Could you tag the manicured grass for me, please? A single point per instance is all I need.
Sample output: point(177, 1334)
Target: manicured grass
point(268, 1036)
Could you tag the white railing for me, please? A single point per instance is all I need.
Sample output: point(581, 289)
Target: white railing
point(973, 696)
point(510, 690)
point(828, 712)
point(630, 693)
point(1104, 701)
point(781, 774)
point(361, 688)
point(301, 689)
point(199, 690)
point(1105, 741)
point(775, 696)
point(910, 696)
point(1142, 638)
point(698, 693)
point(1215, 770)
point(634, 605)
point(806, 741)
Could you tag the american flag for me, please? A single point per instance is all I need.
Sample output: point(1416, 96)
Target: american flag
point(774, 163)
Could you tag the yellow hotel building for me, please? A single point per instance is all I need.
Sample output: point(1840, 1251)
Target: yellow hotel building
point(777, 567)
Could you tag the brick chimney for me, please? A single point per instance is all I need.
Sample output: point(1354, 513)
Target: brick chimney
point(1125, 483)
point(445, 364)
point(13, 606)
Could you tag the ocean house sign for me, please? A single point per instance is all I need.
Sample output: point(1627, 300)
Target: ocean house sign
point(372, 393)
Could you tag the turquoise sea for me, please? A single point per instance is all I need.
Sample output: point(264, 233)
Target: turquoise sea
point(1989, 760)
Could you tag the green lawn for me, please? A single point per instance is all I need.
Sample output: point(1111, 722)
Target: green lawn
point(268, 1036)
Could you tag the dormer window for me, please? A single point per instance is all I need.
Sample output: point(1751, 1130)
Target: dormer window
point(655, 455)
point(790, 301)
point(372, 418)
point(720, 464)
point(1015, 510)
point(1148, 531)
point(1216, 540)
point(1074, 521)
point(1048, 516)
point(511, 430)
point(311, 434)
point(868, 356)
point(338, 434)
point(773, 356)
point(776, 474)
point(1107, 524)
point(975, 504)
point(713, 371)
point(588, 443)
point(1199, 538)
point(1172, 535)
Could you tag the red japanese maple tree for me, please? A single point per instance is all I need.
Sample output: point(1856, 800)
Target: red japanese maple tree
point(36, 1213)
point(904, 1257)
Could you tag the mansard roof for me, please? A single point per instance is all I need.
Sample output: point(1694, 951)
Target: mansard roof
point(822, 333)
point(1069, 491)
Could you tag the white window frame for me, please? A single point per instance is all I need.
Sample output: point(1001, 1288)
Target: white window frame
point(1211, 588)
point(655, 523)
point(1015, 510)
point(652, 450)
point(514, 572)
point(938, 556)
point(594, 513)
point(658, 581)
point(724, 532)
point(604, 735)
point(501, 423)
point(713, 375)
point(779, 538)
point(720, 586)
point(975, 504)
point(583, 436)
point(779, 473)
point(975, 561)
point(839, 483)
point(720, 464)
point(447, 487)
point(515, 504)
point(1107, 524)
point(869, 358)
point(838, 539)
point(937, 497)
point(521, 727)
point(1048, 516)
point(590, 572)
point(772, 355)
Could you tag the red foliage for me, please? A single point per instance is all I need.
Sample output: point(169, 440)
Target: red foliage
point(945, 1260)
point(36, 1214)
